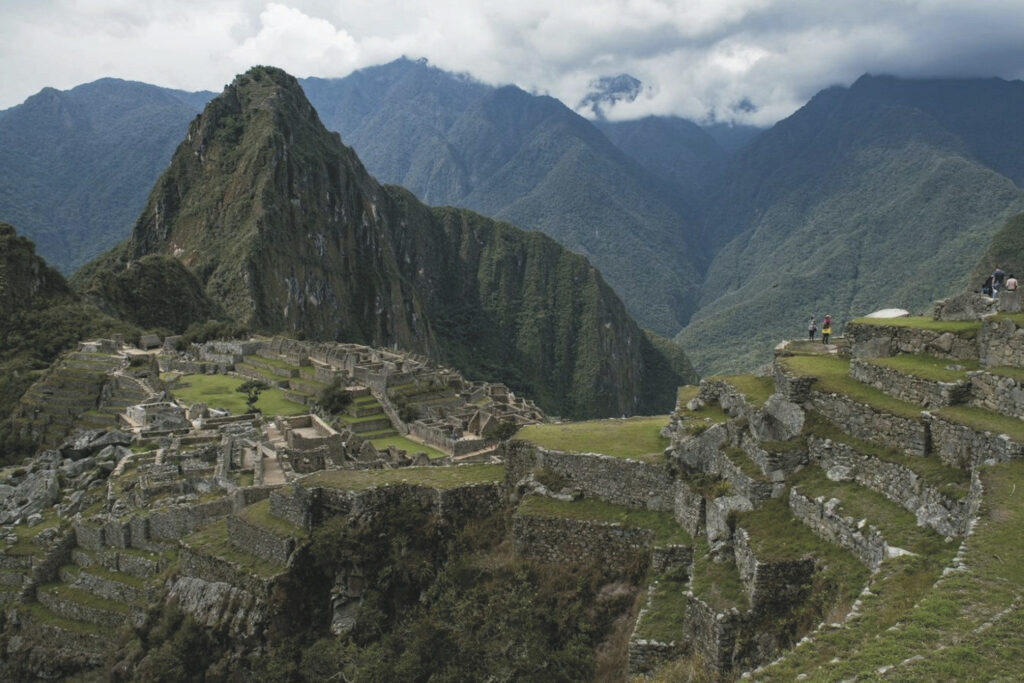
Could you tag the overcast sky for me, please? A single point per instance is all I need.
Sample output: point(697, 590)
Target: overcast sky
point(697, 58)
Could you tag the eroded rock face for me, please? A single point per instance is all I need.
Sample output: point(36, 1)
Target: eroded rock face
point(218, 605)
point(778, 420)
point(35, 492)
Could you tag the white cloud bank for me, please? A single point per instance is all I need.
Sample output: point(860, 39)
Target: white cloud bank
point(750, 60)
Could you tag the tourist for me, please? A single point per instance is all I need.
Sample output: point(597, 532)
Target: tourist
point(812, 327)
point(986, 287)
point(1011, 284)
point(826, 329)
point(997, 281)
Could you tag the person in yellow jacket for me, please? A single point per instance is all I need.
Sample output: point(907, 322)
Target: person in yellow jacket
point(826, 329)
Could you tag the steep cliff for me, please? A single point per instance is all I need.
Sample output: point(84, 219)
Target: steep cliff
point(286, 232)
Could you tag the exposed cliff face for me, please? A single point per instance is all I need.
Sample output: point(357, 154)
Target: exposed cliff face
point(287, 232)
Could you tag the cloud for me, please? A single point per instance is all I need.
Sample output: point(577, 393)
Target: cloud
point(749, 60)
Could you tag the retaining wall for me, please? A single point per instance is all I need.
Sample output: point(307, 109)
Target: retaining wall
point(929, 394)
point(869, 340)
point(557, 539)
point(909, 435)
point(1001, 342)
point(999, 393)
point(635, 484)
point(771, 586)
point(965, 447)
point(820, 516)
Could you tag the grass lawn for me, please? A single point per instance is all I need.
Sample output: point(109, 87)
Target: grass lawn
point(833, 377)
point(756, 389)
point(635, 437)
point(218, 391)
point(407, 445)
point(964, 328)
point(965, 627)
point(436, 477)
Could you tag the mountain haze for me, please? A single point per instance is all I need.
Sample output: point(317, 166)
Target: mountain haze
point(75, 166)
point(867, 197)
point(286, 231)
point(529, 160)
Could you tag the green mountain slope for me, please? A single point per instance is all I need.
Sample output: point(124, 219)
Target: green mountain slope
point(40, 316)
point(286, 232)
point(851, 205)
point(526, 159)
point(75, 166)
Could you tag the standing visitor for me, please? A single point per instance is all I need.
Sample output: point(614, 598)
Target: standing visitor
point(997, 281)
point(812, 327)
point(1011, 284)
point(826, 329)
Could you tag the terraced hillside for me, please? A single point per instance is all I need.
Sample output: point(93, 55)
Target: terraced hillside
point(853, 514)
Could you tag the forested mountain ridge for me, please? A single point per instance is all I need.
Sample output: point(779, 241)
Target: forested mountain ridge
point(75, 166)
point(527, 159)
point(867, 197)
point(286, 231)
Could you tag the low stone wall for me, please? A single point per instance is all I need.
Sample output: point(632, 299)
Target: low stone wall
point(946, 515)
point(647, 655)
point(672, 558)
point(460, 505)
point(93, 615)
point(711, 634)
point(174, 523)
point(820, 516)
point(964, 306)
point(909, 435)
point(999, 393)
point(258, 541)
point(1001, 342)
point(59, 553)
point(294, 504)
point(113, 590)
point(438, 438)
point(557, 539)
point(771, 586)
point(792, 387)
point(635, 484)
point(725, 395)
point(218, 570)
point(924, 392)
point(963, 447)
point(870, 340)
point(689, 508)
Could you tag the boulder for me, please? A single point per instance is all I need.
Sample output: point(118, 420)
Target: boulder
point(778, 420)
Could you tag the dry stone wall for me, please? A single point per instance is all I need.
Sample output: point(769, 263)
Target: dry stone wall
point(909, 435)
point(646, 486)
point(557, 539)
point(946, 514)
point(771, 586)
point(1001, 342)
point(1000, 393)
point(926, 393)
point(821, 517)
point(963, 447)
point(870, 340)
point(259, 541)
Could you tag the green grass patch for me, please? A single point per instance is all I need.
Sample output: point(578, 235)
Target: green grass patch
point(348, 419)
point(663, 524)
point(737, 456)
point(833, 376)
point(665, 615)
point(951, 481)
point(407, 445)
point(219, 391)
point(755, 389)
point(120, 577)
point(927, 367)
point(685, 393)
point(85, 598)
point(1007, 371)
point(717, 583)
point(276, 362)
point(213, 540)
point(940, 622)
point(259, 515)
point(41, 615)
point(245, 479)
point(434, 477)
point(638, 438)
point(984, 420)
point(1017, 318)
point(26, 534)
point(963, 328)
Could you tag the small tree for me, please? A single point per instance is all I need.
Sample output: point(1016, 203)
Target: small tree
point(252, 389)
point(335, 398)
